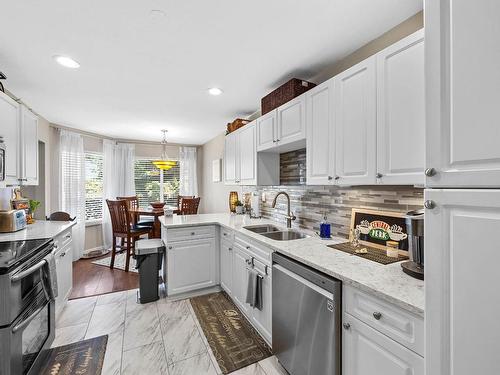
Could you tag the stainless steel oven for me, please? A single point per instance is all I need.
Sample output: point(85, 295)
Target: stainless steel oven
point(27, 306)
point(26, 341)
point(20, 275)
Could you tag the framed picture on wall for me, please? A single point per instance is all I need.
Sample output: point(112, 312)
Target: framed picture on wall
point(216, 170)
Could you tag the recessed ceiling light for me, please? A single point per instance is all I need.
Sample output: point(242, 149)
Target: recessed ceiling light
point(157, 14)
point(66, 61)
point(214, 91)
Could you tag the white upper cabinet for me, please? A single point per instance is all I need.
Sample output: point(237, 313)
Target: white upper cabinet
point(242, 164)
point(19, 128)
point(267, 131)
point(401, 112)
point(292, 121)
point(462, 305)
point(462, 93)
point(29, 152)
point(283, 129)
point(231, 156)
point(320, 150)
point(9, 120)
point(355, 124)
point(247, 155)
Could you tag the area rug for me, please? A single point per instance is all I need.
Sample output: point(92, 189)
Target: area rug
point(119, 262)
point(233, 340)
point(83, 358)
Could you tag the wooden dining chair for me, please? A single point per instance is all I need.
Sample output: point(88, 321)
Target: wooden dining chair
point(180, 198)
point(189, 206)
point(122, 228)
point(133, 203)
point(60, 216)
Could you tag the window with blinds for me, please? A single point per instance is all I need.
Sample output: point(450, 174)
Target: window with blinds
point(93, 186)
point(147, 183)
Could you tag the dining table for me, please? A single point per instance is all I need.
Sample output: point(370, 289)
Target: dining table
point(150, 211)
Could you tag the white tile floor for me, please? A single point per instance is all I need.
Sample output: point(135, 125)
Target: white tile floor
point(163, 337)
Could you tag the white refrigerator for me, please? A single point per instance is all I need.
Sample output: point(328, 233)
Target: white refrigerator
point(462, 195)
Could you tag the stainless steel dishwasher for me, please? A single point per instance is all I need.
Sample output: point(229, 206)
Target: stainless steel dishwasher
point(306, 319)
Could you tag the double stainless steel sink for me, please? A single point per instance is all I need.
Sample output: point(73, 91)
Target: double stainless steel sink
point(275, 233)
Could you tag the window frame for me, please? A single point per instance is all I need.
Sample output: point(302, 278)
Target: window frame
point(94, 221)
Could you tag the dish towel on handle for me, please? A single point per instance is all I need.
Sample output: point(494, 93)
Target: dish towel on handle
point(254, 289)
point(49, 276)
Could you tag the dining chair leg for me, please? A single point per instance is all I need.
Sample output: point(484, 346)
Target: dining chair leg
point(127, 261)
point(113, 253)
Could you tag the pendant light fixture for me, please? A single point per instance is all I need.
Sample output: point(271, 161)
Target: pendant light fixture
point(164, 163)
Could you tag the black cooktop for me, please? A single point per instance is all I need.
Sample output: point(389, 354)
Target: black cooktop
point(13, 253)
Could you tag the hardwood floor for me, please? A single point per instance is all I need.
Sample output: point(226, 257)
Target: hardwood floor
point(90, 279)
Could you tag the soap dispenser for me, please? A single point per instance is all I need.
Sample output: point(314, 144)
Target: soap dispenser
point(325, 228)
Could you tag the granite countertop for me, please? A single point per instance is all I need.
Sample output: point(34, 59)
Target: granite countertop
point(387, 282)
point(39, 229)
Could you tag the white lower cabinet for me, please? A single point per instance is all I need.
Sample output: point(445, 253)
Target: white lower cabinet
point(244, 260)
point(191, 265)
point(367, 351)
point(241, 260)
point(63, 246)
point(462, 303)
point(226, 266)
point(262, 319)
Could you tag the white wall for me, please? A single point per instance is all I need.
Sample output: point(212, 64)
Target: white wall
point(214, 195)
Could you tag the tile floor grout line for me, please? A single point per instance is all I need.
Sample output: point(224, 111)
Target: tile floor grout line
point(162, 337)
point(90, 319)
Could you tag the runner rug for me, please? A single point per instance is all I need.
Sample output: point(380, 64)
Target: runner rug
point(233, 340)
point(83, 358)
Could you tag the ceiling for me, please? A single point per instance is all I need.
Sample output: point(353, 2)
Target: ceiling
point(140, 74)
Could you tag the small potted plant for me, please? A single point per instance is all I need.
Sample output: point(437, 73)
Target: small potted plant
point(34, 204)
point(239, 207)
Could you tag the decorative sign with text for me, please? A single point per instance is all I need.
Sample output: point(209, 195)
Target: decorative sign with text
point(378, 227)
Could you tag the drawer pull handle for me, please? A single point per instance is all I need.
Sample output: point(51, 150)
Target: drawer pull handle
point(346, 326)
point(377, 315)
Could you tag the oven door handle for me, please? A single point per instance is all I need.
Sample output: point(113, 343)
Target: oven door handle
point(26, 321)
point(21, 275)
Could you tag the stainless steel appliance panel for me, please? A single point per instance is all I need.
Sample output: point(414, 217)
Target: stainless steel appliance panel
point(306, 319)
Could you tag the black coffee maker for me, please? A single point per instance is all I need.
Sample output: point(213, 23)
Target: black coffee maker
point(415, 229)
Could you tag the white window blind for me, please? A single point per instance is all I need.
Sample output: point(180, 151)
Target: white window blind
point(147, 183)
point(93, 186)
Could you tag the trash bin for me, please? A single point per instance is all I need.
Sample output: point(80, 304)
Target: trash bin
point(149, 258)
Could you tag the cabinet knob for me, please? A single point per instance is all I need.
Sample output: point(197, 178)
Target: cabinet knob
point(192, 233)
point(277, 140)
point(170, 247)
point(330, 178)
point(429, 172)
point(429, 204)
point(377, 315)
point(230, 248)
point(379, 175)
point(63, 254)
point(337, 178)
point(224, 234)
point(248, 247)
point(346, 326)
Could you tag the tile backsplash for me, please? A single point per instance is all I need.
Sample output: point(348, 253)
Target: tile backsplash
point(309, 203)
